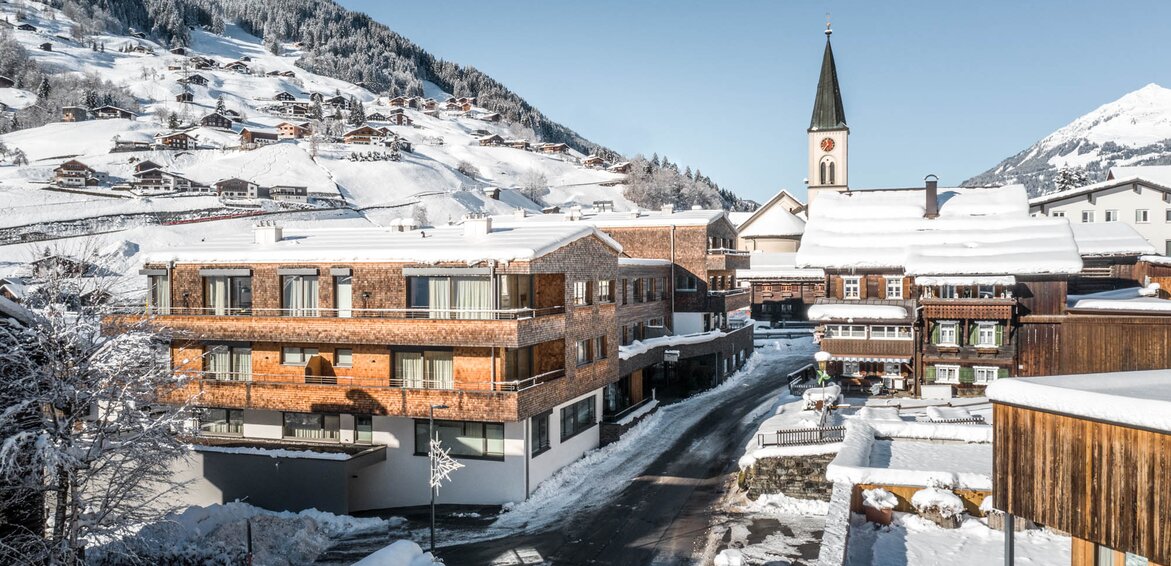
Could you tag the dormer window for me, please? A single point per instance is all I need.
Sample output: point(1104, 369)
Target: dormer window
point(851, 287)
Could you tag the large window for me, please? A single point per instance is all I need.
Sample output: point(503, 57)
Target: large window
point(892, 368)
point(296, 355)
point(578, 418)
point(343, 357)
point(948, 292)
point(160, 294)
point(686, 282)
point(516, 291)
point(845, 331)
point(947, 374)
point(651, 292)
point(299, 295)
point(464, 439)
point(599, 348)
point(540, 432)
point(890, 332)
point(894, 287)
point(581, 293)
point(343, 295)
point(228, 362)
point(851, 287)
point(311, 426)
point(518, 363)
point(223, 295)
point(986, 374)
point(451, 297)
point(986, 334)
point(947, 334)
point(227, 422)
point(430, 369)
point(851, 368)
point(639, 291)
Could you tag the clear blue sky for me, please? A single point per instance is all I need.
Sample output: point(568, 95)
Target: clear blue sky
point(948, 88)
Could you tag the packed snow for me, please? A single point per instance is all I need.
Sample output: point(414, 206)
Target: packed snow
point(400, 553)
point(863, 311)
point(914, 454)
point(913, 540)
point(1134, 398)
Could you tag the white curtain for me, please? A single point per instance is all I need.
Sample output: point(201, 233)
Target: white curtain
point(439, 297)
point(160, 294)
point(219, 362)
point(440, 366)
point(300, 295)
point(409, 369)
point(242, 364)
point(473, 294)
point(344, 296)
point(215, 295)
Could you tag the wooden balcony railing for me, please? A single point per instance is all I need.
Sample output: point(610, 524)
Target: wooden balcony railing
point(407, 313)
point(801, 436)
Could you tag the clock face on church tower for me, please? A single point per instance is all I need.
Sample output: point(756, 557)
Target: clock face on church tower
point(827, 144)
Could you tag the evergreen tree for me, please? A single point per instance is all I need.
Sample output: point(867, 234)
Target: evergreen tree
point(357, 113)
point(173, 121)
point(44, 89)
point(219, 105)
point(1070, 178)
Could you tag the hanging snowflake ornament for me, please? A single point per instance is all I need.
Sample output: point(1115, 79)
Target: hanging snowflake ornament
point(441, 464)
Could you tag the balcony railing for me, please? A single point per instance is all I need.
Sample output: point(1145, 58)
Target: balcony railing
point(407, 313)
point(726, 251)
point(801, 436)
point(444, 384)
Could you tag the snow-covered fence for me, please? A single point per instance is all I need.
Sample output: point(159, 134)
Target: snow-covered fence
point(801, 436)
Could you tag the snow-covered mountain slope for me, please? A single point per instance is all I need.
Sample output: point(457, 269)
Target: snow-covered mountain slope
point(446, 174)
point(1133, 130)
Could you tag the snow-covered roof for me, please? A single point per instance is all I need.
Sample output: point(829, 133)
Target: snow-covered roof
point(1160, 174)
point(1109, 238)
point(771, 220)
point(1095, 187)
point(864, 311)
point(1143, 299)
point(374, 244)
point(644, 262)
point(14, 311)
point(1156, 259)
point(777, 266)
point(1133, 398)
point(965, 280)
point(608, 219)
point(978, 232)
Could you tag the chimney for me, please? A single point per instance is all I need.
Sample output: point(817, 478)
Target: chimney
point(477, 225)
point(932, 209)
point(520, 213)
point(669, 209)
point(267, 233)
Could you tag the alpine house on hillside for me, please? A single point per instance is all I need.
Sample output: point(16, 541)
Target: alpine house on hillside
point(924, 288)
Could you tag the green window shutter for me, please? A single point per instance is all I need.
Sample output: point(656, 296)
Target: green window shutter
point(973, 333)
point(930, 371)
point(1002, 373)
point(934, 340)
point(967, 375)
point(999, 334)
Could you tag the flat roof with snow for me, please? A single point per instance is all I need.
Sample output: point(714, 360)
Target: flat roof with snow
point(864, 311)
point(1109, 239)
point(978, 232)
point(375, 244)
point(1130, 398)
point(632, 218)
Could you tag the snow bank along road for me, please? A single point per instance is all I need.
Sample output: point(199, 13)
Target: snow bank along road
point(646, 499)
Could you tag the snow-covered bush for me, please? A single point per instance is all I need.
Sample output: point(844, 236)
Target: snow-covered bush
point(879, 498)
point(940, 506)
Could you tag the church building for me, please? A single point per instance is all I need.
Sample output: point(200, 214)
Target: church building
point(828, 133)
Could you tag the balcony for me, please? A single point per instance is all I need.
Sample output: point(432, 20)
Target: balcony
point(968, 309)
point(511, 328)
point(724, 259)
point(729, 300)
point(840, 347)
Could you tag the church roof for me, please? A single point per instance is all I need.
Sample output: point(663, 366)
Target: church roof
point(828, 112)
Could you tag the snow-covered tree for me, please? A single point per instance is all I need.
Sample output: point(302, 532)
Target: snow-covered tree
point(357, 114)
point(44, 89)
point(1070, 178)
point(419, 215)
point(83, 435)
point(535, 184)
point(219, 104)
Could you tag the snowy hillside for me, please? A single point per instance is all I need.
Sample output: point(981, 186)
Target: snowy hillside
point(1133, 130)
point(443, 172)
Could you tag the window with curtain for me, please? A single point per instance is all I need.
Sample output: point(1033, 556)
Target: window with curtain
point(296, 355)
point(599, 347)
point(581, 293)
point(464, 439)
point(312, 426)
point(227, 422)
point(159, 301)
point(228, 363)
point(431, 369)
point(343, 295)
point(299, 295)
point(472, 297)
point(515, 291)
point(227, 295)
point(606, 291)
point(467, 298)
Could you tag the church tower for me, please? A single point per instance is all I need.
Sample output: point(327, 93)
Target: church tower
point(828, 132)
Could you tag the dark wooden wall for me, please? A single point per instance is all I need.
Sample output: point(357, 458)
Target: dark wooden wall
point(1057, 345)
point(1097, 481)
point(1041, 297)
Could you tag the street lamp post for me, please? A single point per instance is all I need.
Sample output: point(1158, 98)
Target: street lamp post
point(823, 358)
point(431, 467)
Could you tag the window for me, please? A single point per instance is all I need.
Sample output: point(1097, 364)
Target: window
point(540, 432)
point(894, 287)
point(651, 293)
point(639, 290)
point(311, 426)
point(890, 332)
point(228, 363)
point(577, 418)
point(296, 356)
point(430, 369)
point(343, 357)
point(948, 292)
point(625, 297)
point(581, 293)
point(947, 374)
point(518, 363)
point(1087, 216)
point(661, 283)
point(845, 331)
point(986, 291)
point(228, 422)
point(1142, 216)
point(159, 301)
point(655, 322)
point(686, 282)
point(986, 334)
point(451, 297)
point(1111, 216)
point(986, 374)
point(1057, 214)
point(892, 369)
point(515, 291)
point(606, 291)
point(947, 334)
point(851, 368)
point(583, 352)
point(851, 287)
point(223, 295)
point(600, 348)
point(465, 439)
point(299, 295)
point(363, 429)
point(1168, 213)
point(343, 295)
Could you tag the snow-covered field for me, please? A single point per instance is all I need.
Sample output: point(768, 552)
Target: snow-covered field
point(913, 541)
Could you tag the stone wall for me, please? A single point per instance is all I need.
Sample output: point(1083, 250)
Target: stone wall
point(796, 476)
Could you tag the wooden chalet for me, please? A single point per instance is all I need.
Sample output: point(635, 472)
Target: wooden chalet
point(399, 119)
point(398, 101)
point(176, 140)
point(289, 193)
point(517, 144)
point(74, 173)
point(430, 104)
point(216, 120)
point(316, 97)
point(142, 49)
point(137, 34)
point(146, 165)
point(113, 112)
point(195, 79)
point(593, 161)
point(179, 51)
point(6, 82)
point(58, 264)
point(254, 138)
point(337, 101)
point(414, 102)
point(289, 74)
point(46, 46)
point(238, 188)
point(238, 66)
point(289, 130)
point(490, 117)
point(376, 117)
point(296, 108)
point(132, 143)
point(491, 140)
point(156, 179)
point(74, 114)
point(363, 135)
point(284, 95)
point(553, 148)
point(1087, 455)
point(26, 27)
point(622, 167)
point(184, 97)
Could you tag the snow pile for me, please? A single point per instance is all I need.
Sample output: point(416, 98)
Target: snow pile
point(729, 557)
point(400, 553)
point(879, 414)
point(1132, 299)
point(966, 463)
point(943, 501)
point(1134, 398)
point(829, 394)
point(777, 504)
point(879, 498)
point(271, 452)
point(947, 413)
point(842, 311)
point(837, 526)
point(913, 540)
point(216, 534)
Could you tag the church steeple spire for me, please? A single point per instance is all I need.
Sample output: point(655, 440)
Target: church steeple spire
point(828, 112)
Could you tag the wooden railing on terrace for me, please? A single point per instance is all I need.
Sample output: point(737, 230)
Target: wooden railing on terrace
point(801, 436)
